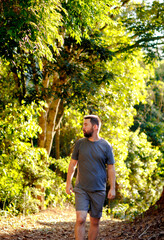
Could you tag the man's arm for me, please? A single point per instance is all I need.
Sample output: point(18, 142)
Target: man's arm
point(111, 180)
point(71, 171)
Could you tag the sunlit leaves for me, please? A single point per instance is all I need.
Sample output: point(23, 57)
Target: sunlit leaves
point(145, 184)
point(21, 164)
point(84, 16)
point(145, 24)
point(114, 103)
point(88, 71)
point(19, 122)
point(29, 26)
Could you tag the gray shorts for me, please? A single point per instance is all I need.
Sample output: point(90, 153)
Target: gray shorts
point(91, 202)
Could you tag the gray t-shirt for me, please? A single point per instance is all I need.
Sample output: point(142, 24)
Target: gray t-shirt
point(92, 160)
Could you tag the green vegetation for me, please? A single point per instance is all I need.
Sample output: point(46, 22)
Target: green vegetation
point(60, 60)
point(23, 167)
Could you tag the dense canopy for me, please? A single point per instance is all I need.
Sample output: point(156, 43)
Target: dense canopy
point(60, 59)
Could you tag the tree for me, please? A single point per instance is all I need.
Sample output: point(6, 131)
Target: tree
point(73, 71)
point(52, 80)
point(81, 66)
point(78, 68)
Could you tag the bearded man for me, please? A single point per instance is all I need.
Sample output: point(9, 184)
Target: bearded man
point(92, 155)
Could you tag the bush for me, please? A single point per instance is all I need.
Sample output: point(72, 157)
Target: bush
point(25, 176)
point(143, 178)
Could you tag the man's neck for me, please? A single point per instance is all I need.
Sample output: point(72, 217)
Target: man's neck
point(94, 138)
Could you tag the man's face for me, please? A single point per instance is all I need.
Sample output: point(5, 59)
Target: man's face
point(87, 128)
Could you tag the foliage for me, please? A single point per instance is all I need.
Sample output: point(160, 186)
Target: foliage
point(135, 156)
point(29, 26)
point(144, 182)
point(55, 193)
point(70, 132)
point(22, 166)
point(150, 116)
point(117, 118)
point(85, 15)
point(6, 94)
point(87, 42)
point(65, 58)
point(73, 55)
point(144, 23)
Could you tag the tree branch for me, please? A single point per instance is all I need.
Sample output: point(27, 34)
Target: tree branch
point(138, 45)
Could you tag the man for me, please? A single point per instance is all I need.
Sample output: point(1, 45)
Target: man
point(91, 154)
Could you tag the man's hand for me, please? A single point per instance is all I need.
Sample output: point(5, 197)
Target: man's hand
point(111, 194)
point(69, 189)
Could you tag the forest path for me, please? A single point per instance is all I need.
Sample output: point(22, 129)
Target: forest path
point(57, 223)
point(51, 224)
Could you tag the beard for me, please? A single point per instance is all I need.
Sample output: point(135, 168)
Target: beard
point(88, 134)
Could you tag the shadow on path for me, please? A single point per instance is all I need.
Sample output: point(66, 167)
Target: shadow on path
point(58, 224)
point(60, 230)
point(55, 231)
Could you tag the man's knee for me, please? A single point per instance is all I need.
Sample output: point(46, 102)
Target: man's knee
point(81, 218)
point(94, 221)
point(80, 221)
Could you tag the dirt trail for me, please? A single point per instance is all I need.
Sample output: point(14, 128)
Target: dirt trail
point(55, 224)
point(49, 224)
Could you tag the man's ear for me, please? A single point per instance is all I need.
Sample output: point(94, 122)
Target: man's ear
point(95, 126)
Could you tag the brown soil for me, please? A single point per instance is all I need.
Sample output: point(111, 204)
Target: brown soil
point(56, 223)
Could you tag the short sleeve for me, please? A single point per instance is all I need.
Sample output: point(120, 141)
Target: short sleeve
point(110, 155)
point(75, 152)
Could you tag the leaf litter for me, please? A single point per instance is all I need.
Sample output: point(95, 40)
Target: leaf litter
point(58, 223)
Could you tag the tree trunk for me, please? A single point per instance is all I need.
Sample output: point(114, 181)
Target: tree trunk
point(51, 124)
point(57, 143)
point(49, 121)
point(42, 124)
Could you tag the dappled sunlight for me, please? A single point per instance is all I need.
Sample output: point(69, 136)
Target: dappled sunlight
point(57, 223)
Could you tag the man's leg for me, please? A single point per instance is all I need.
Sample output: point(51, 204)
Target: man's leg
point(94, 228)
point(80, 225)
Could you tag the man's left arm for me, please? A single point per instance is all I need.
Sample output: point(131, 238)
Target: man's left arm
point(112, 180)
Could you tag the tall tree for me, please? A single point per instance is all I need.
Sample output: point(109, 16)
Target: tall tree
point(65, 61)
point(68, 71)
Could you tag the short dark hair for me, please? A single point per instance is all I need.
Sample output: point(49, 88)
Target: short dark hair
point(94, 120)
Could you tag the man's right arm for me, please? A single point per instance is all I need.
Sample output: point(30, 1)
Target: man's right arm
point(71, 171)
